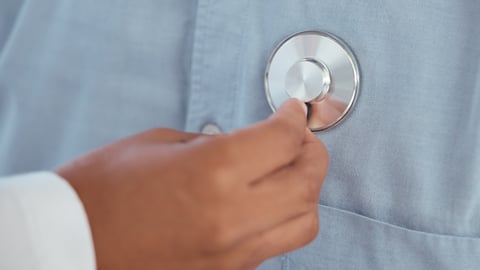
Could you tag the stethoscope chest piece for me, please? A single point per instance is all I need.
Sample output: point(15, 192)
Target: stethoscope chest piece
point(317, 68)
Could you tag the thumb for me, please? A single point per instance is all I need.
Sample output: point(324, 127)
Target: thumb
point(294, 112)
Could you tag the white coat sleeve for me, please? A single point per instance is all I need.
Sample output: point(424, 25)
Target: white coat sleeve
point(43, 225)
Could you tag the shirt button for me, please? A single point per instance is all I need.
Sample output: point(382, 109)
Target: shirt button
point(211, 129)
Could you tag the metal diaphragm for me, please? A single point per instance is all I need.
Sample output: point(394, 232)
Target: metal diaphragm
point(318, 69)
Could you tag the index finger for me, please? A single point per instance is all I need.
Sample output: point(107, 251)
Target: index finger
point(270, 144)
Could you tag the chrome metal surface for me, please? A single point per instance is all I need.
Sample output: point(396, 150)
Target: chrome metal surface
point(317, 68)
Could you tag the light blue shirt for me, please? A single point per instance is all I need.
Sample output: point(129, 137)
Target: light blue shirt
point(403, 190)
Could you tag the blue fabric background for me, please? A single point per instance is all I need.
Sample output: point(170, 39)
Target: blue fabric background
point(403, 191)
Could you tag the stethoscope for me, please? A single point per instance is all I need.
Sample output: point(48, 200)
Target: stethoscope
point(319, 69)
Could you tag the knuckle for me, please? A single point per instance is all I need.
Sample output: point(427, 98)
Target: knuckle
point(310, 171)
point(219, 184)
point(217, 165)
point(307, 229)
point(310, 194)
point(311, 183)
point(306, 195)
point(224, 149)
point(322, 152)
point(312, 227)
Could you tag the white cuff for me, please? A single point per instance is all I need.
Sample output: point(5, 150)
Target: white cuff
point(43, 225)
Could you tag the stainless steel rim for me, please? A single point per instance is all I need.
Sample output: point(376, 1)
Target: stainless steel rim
point(345, 87)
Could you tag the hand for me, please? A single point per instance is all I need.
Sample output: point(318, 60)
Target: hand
point(166, 199)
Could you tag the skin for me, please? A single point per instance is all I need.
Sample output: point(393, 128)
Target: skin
point(165, 199)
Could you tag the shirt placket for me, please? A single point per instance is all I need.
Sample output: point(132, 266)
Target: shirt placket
point(216, 73)
point(216, 59)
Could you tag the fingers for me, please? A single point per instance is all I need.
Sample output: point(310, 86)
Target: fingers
point(299, 230)
point(288, 236)
point(289, 192)
point(284, 194)
point(258, 150)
